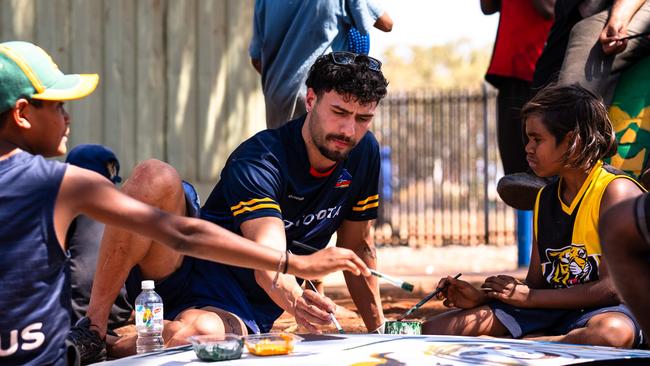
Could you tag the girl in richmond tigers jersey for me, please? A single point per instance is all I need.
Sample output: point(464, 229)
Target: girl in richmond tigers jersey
point(568, 295)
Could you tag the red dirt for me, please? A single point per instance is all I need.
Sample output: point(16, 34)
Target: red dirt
point(351, 321)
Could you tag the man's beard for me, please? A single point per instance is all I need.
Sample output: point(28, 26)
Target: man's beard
point(334, 155)
point(320, 140)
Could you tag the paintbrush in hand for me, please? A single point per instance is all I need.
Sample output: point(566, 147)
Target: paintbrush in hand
point(395, 281)
point(332, 317)
point(425, 299)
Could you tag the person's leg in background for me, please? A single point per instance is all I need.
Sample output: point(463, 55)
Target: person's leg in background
point(281, 109)
point(586, 64)
point(512, 95)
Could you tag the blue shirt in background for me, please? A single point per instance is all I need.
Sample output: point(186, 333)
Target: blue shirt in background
point(289, 35)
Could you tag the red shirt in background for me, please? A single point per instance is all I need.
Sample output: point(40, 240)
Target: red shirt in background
point(520, 39)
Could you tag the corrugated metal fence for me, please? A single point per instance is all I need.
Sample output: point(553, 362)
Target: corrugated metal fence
point(440, 167)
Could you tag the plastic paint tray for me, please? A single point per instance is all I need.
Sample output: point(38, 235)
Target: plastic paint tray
point(217, 347)
point(271, 344)
point(403, 327)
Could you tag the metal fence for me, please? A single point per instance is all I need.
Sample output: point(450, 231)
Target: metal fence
point(440, 165)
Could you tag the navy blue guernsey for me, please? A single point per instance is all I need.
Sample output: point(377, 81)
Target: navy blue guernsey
point(34, 279)
point(270, 175)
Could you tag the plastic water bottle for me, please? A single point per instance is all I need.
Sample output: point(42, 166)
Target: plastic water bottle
point(149, 319)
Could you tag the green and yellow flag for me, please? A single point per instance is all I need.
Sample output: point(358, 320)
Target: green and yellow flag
point(630, 115)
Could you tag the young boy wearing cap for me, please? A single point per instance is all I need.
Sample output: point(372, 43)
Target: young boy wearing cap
point(40, 198)
point(85, 234)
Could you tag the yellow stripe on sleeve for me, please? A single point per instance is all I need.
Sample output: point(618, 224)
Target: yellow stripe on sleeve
point(371, 198)
point(258, 207)
point(365, 207)
point(248, 203)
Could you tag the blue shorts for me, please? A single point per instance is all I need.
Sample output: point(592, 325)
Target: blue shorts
point(521, 321)
point(199, 283)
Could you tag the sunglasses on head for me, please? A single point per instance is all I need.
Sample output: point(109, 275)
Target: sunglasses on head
point(350, 58)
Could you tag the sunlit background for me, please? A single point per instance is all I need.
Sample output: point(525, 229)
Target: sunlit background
point(435, 44)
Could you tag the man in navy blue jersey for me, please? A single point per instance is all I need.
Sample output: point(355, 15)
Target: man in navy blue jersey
point(304, 181)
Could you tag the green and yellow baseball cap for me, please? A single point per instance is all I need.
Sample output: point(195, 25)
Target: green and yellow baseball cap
point(26, 71)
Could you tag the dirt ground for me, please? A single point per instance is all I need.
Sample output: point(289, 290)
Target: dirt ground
point(395, 302)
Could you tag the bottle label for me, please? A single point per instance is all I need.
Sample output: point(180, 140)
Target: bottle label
point(148, 315)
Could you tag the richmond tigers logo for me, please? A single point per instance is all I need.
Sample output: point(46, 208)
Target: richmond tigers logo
point(569, 266)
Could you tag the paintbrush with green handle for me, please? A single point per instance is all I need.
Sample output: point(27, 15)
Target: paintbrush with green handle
point(397, 282)
point(425, 299)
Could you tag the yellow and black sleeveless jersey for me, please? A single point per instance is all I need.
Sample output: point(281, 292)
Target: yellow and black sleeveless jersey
point(567, 236)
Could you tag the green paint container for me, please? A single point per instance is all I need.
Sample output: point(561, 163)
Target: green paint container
point(403, 327)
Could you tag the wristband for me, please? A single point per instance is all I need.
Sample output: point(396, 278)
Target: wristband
point(284, 255)
point(286, 262)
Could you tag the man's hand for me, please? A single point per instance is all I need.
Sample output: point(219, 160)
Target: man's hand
point(326, 261)
point(507, 289)
point(460, 294)
point(313, 308)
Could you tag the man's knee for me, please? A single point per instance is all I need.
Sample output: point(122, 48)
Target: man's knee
point(192, 322)
point(154, 173)
point(203, 321)
point(156, 183)
point(611, 329)
point(197, 322)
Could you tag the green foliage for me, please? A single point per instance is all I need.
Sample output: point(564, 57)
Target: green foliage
point(455, 65)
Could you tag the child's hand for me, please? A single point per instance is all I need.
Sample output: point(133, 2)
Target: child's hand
point(326, 261)
point(460, 294)
point(507, 289)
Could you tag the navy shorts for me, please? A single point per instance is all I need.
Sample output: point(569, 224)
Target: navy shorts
point(199, 283)
point(521, 321)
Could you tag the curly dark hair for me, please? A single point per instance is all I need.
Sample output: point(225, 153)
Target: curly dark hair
point(355, 81)
point(573, 109)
